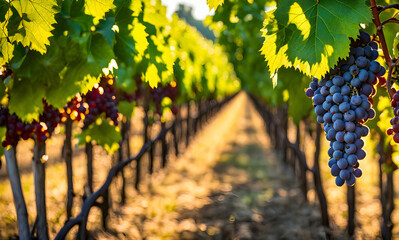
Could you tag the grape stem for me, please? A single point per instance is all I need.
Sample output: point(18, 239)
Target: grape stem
point(394, 20)
point(383, 43)
point(381, 9)
point(388, 84)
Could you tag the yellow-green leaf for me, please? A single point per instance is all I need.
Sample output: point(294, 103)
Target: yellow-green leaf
point(140, 37)
point(98, 8)
point(151, 76)
point(311, 35)
point(213, 4)
point(6, 48)
point(36, 23)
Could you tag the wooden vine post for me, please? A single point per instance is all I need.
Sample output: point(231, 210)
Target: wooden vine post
point(39, 177)
point(19, 200)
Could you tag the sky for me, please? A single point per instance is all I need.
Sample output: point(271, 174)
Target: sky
point(200, 8)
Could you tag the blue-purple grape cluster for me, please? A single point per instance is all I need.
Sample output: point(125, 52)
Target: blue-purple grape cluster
point(343, 103)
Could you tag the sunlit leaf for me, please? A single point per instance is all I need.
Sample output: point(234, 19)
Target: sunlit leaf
point(213, 4)
point(311, 35)
point(37, 18)
point(152, 77)
point(140, 37)
point(98, 8)
point(104, 134)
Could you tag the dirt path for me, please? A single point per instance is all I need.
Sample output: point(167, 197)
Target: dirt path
point(228, 185)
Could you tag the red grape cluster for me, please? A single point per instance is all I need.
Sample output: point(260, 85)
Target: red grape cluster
point(161, 92)
point(124, 96)
point(75, 109)
point(394, 130)
point(102, 99)
point(16, 129)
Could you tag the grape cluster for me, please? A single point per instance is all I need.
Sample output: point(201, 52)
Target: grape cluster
point(161, 92)
point(17, 129)
point(102, 99)
point(394, 130)
point(124, 96)
point(343, 103)
point(75, 109)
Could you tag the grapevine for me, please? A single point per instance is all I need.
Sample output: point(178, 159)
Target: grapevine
point(101, 99)
point(40, 130)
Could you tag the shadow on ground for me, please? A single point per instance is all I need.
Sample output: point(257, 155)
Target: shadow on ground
point(263, 201)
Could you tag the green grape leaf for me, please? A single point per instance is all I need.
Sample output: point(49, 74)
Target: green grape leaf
point(37, 18)
point(213, 4)
point(106, 135)
point(124, 79)
point(124, 47)
point(98, 8)
point(81, 74)
point(6, 48)
point(4, 8)
point(105, 28)
point(78, 76)
point(126, 108)
point(100, 52)
point(299, 105)
point(33, 64)
point(26, 100)
point(312, 35)
point(19, 56)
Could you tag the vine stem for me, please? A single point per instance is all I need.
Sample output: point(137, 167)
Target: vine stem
point(384, 47)
point(389, 86)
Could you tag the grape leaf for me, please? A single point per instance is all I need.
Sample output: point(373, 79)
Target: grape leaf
point(155, 15)
point(81, 74)
point(299, 106)
point(25, 100)
point(124, 47)
point(98, 8)
point(104, 134)
point(126, 108)
point(136, 7)
point(100, 51)
point(105, 28)
point(140, 37)
point(213, 4)
point(151, 76)
point(37, 18)
point(6, 48)
point(4, 9)
point(311, 35)
point(124, 78)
